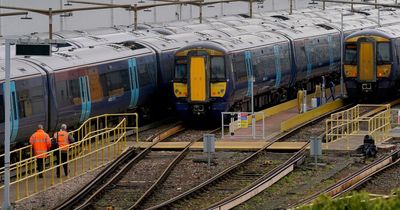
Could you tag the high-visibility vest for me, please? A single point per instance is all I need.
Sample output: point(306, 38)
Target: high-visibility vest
point(62, 140)
point(41, 143)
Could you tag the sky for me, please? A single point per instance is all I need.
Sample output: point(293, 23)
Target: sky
point(101, 18)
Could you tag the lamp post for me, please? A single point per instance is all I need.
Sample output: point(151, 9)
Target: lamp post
point(379, 17)
point(7, 111)
point(341, 52)
point(253, 118)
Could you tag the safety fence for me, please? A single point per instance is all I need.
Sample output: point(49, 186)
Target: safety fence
point(233, 121)
point(354, 122)
point(98, 142)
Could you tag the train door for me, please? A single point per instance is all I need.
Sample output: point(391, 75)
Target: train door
point(198, 78)
point(14, 115)
point(366, 60)
point(85, 98)
point(278, 69)
point(249, 69)
point(134, 82)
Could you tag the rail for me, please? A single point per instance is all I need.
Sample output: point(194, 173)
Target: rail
point(350, 123)
point(353, 180)
point(113, 171)
point(94, 150)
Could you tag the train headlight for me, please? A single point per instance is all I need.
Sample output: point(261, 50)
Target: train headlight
point(218, 89)
point(180, 89)
point(383, 70)
point(350, 70)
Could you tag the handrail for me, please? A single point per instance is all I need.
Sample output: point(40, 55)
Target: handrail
point(96, 149)
point(81, 132)
point(349, 123)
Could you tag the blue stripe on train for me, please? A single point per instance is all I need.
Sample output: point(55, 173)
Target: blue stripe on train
point(134, 82)
point(249, 69)
point(278, 71)
point(14, 115)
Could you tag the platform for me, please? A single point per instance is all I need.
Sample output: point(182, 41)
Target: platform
point(284, 117)
point(225, 145)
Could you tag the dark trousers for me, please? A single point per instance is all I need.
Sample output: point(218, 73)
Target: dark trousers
point(64, 159)
point(39, 162)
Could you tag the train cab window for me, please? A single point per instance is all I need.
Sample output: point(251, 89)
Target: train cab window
point(383, 53)
point(180, 70)
point(217, 68)
point(350, 56)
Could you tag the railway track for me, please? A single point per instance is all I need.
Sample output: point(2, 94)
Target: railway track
point(113, 171)
point(254, 182)
point(356, 179)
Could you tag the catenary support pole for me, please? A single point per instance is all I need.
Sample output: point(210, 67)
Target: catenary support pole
point(50, 23)
point(7, 111)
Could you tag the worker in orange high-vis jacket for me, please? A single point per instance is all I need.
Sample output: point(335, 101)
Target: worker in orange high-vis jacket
point(63, 139)
point(41, 143)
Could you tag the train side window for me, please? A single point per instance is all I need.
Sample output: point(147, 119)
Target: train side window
point(144, 76)
point(383, 53)
point(30, 99)
point(398, 50)
point(301, 58)
point(2, 108)
point(217, 68)
point(180, 69)
point(350, 54)
point(112, 83)
point(239, 68)
point(285, 58)
point(74, 89)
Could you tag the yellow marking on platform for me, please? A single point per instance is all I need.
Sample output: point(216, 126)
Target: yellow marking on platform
point(226, 145)
point(309, 115)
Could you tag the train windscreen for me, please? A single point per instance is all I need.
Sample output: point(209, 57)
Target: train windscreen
point(350, 56)
point(217, 69)
point(383, 53)
point(180, 70)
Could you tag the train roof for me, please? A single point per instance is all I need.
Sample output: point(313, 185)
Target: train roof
point(19, 69)
point(232, 31)
point(393, 31)
point(245, 41)
point(353, 25)
point(212, 33)
point(307, 31)
point(164, 43)
point(258, 28)
point(87, 56)
point(225, 18)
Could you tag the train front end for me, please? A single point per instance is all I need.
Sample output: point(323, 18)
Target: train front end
point(201, 84)
point(368, 65)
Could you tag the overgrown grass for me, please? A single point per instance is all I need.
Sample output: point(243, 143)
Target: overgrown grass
point(357, 200)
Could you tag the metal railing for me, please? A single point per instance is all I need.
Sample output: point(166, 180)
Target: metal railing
point(91, 126)
point(349, 123)
point(93, 150)
point(232, 122)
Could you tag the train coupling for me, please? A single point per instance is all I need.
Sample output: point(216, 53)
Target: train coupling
point(366, 87)
point(198, 109)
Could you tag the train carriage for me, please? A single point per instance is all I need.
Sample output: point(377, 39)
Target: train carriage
point(371, 62)
point(73, 86)
point(214, 76)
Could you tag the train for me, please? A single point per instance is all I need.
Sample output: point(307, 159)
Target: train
point(115, 70)
point(216, 76)
point(371, 63)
